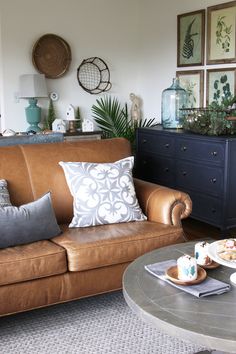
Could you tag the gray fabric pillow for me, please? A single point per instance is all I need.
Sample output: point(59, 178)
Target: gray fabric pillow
point(28, 223)
point(103, 192)
point(4, 194)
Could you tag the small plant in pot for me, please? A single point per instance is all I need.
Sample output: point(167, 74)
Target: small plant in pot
point(114, 120)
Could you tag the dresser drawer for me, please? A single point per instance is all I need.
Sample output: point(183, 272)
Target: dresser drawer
point(163, 145)
point(200, 150)
point(203, 166)
point(205, 208)
point(200, 178)
point(153, 168)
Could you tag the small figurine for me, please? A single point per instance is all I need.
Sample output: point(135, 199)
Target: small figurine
point(8, 132)
point(87, 125)
point(70, 113)
point(59, 125)
point(135, 108)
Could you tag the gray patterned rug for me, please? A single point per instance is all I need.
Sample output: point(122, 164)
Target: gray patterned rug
point(101, 324)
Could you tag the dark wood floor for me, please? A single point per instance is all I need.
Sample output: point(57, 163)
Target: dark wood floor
point(198, 230)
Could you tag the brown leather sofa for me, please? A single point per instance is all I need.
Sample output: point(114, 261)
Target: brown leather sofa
point(81, 261)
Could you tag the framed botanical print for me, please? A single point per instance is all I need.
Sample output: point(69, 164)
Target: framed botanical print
point(191, 38)
point(193, 83)
point(220, 85)
point(221, 30)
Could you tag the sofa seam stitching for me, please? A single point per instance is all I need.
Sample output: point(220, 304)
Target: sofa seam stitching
point(28, 170)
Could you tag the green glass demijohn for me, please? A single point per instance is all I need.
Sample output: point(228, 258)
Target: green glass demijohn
point(173, 99)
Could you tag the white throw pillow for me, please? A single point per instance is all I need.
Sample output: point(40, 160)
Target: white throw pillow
point(103, 192)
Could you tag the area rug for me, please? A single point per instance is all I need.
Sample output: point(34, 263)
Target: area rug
point(102, 324)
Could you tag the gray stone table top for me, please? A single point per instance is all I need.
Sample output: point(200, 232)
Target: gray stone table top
point(209, 321)
point(31, 139)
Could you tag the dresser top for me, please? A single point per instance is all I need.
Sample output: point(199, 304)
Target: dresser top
point(183, 133)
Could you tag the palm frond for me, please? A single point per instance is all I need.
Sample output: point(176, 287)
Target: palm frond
point(114, 120)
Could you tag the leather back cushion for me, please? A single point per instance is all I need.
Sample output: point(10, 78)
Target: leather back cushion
point(33, 170)
point(14, 170)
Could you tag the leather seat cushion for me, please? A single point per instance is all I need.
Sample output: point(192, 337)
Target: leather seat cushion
point(106, 245)
point(31, 261)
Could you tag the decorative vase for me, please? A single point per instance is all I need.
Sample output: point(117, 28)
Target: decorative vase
point(173, 99)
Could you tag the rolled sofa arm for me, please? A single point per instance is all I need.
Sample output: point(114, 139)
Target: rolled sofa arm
point(162, 204)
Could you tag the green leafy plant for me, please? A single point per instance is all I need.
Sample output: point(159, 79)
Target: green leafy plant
point(51, 116)
point(212, 120)
point(78, 117)
point(114, 120)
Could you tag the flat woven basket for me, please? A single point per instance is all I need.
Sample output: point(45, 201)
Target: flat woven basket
point(51, 56)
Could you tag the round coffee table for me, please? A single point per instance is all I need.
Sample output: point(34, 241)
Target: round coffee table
point(209, 321)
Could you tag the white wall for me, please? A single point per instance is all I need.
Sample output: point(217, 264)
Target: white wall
point(158, 48)
point(103, 28)
point(137, 39)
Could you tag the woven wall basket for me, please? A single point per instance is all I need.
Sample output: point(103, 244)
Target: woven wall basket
point(51, 56)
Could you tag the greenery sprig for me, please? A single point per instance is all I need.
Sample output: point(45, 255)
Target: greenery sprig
point(114, 120)
point(212, 120)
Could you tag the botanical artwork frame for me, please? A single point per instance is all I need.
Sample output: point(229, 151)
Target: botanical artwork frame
point(191, 38)
point(193, 82)
point(221, 33)
point(220, 83)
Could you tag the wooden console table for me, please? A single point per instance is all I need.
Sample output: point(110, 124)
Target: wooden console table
point(202, 166)
point(95, 135)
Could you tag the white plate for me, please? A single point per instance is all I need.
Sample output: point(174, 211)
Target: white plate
point(212, 253)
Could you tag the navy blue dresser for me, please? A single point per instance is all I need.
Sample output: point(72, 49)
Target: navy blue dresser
point(202, 166)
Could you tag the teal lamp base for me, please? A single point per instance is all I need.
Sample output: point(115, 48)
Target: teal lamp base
point(33, 115)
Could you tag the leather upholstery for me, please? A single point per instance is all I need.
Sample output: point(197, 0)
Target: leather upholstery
point(42, 160)
point(99, 246)
point(59, 288)
point(37, 274)
point(162, 204)
point(31, 261)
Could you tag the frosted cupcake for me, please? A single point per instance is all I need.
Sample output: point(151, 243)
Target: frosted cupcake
point(187, 268)
point(201, 253)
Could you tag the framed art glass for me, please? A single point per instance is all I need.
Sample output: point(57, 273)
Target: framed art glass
point(193, 83)
point(191, 38)
point(220, 85)
point(221, 28)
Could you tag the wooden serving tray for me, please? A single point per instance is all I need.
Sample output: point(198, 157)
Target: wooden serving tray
point(172, 274)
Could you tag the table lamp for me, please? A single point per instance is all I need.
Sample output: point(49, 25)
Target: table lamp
point(33, 86)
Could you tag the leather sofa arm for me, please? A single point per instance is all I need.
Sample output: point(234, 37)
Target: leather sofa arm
point(162, 204)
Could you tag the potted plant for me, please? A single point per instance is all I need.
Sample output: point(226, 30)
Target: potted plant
point(114, 120)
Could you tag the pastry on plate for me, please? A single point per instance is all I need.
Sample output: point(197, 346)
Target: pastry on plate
point(227, 249)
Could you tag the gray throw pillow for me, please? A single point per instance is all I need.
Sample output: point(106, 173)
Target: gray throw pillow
point(28, 223)
point(103, 192)
point(4, 194)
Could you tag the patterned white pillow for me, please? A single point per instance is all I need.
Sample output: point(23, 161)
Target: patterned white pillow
point(103, 192)
point(4, 194)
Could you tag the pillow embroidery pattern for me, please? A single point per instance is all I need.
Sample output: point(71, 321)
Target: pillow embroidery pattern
point(103, 192)
point(4, 194)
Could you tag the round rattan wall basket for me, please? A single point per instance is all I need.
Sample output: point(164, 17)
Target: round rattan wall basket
point(51, 56)
point(93, 75)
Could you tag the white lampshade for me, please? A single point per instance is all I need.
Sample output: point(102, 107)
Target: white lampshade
point(32, 85)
